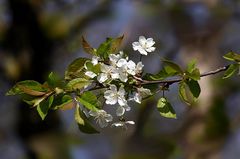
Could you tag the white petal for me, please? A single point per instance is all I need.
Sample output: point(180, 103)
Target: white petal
point(105, 68)
point(137, 98)
point(120, 111)
point(150, 49)
point(130, 122)
point(142, 51)
point(102, 77)
point(121, 91)
point(150, 42)
point(93, 113)
point(111, 101)
point(114, 73)
point(121, 62)
point(90, 74)
point(108, 118)
point(108, 94)
point(95, 60)
point(102, 122)
point(114, 58)
point(142, 40)
point(123, 76)
point(139, 66)
point(144, 92)
point(136, 45)
point(131, 71)
point(121, 54)
point(122, 101)
point(113, 88)
point(131, 64)
point(118, 124)
point(127, 108)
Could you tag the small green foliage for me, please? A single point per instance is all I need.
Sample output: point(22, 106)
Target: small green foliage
point(192, 72)
point(191, 66)
point(186, 94)
point(89, 100)
point(172, 67)
point(166, 72)
point(165, 108)
point(54, 81)
point(94, 68)
point(76, 69)
point(28, 87)
point(87, 48)
point(83, 124)
point(77, 84)
point(32, 100)
point(194, 87)
point(232, 69)
point(231, 56)
point(44, 106)
point(62, 101)
point(110, 46)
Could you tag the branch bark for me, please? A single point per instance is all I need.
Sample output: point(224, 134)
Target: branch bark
point(172, 81)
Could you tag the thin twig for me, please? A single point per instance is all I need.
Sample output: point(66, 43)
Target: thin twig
point(171, 81)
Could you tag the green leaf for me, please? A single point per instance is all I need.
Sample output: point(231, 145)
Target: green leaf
point(232, 56)
point(191, 66)
point(195, 74)
point(165, 108)
point(185, 94)
point(44, 106)
point(170, 71)
point(35, 101)
point(110, 46)
point(77, 116)
point(54, 81)
point(166, 72)
point(76, 68)
point(194, 88)
point(173, 66)
point(232, 69)
point(62, 101)
point(83, 124)
point(77, 83)
point(87, 48)
point(89, 100)
point(94, 68)
point(28, 87)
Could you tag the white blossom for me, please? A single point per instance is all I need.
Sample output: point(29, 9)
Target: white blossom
point(137, 98)
point(141, 93)
point(144, 45)
point(121, 109)
point(123, 124)
point(131, 67)
point(113, 96)
point(114, 59)
point(101, 117)
point(95, 60)
point(107, 73)
point(90, 74)
point(139, 68)
point(128, 67)
point(123, 75)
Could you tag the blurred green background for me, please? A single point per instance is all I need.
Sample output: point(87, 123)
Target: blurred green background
point(39, 36)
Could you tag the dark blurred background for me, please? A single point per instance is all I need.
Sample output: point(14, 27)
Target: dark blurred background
point(39, 36)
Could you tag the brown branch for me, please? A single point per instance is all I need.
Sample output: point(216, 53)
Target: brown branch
point(171, 81)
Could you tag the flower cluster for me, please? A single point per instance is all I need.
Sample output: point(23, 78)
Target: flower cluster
point(119, 68)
